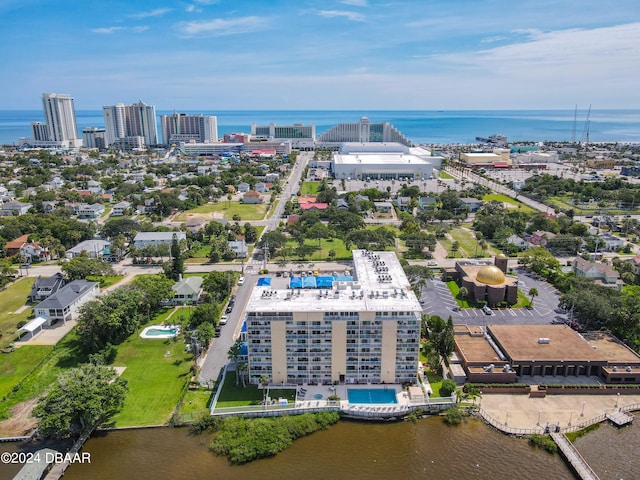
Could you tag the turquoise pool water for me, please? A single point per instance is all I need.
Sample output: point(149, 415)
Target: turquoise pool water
point(161, 332)
point(371, 395)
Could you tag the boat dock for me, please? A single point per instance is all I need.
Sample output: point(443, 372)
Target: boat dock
point(620, 419)
point(580, 466)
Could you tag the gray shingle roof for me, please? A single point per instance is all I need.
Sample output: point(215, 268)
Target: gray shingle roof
point(67, 294)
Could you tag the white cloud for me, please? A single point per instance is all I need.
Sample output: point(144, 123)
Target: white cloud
point(220, 26)
point(353, 16)
point(355, 3)
point(158, 12)
point(106, 30)
point(140, 29)
point(497, 38)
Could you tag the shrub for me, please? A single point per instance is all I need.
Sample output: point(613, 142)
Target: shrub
point(543, 441)
point(447, 388)
point(453, 416)
point(243, 440)
point(21, 324)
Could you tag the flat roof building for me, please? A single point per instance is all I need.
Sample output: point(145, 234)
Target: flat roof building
point(324, 329)
point(384, 161)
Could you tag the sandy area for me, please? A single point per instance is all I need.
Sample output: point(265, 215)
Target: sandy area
point(21, 422)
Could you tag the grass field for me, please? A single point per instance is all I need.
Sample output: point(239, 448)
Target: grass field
point(16, 365)
point(321, 254)
point(12, 299)
point(232, 396)
point(444, 175)
point(196, 400)
point(155, 379)
point(446, 243)
point(435, 381)
point(497, 197)
point(468, 246)
point(228, 209)
point(106, 281)
point(309, 188)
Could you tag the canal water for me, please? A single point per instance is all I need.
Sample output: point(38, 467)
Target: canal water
point(349, 450)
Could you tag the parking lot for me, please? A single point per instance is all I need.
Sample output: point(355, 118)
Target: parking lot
point(437, 299)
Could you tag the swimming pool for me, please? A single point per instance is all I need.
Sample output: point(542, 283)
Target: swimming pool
point(160, 331)
point(371, 395)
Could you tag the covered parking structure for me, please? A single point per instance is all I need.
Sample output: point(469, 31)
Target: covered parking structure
point(33, 328)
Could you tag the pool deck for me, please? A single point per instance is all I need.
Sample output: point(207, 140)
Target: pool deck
point(143, 333)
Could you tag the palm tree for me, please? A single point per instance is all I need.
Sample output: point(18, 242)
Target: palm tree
point(534, 293)
point(463, 293)
point(242, 370)
point(233, 354)
point(264, 381)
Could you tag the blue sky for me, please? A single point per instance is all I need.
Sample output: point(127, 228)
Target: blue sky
point(322, 54)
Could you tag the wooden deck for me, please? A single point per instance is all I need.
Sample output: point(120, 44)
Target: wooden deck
point(580, 466)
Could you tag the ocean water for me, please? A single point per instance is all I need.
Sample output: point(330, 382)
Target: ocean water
point(448, 126)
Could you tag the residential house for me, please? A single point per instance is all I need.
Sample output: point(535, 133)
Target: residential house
point(314, 207)
point(474, 204)
point(601, 273)
point(187, 290)
point(307, 199)
point(49, 206)
point(56, 183)
point(243, 187)
point(426, 202)
point(34, 252)
point(383, 207)
point(11, 209)
point(120, 209)
point(252, 197)
point(272, 177)
point(239, 247)
point(84, 210)
point(610, 242)
point(142, 239)
point(195, 224)
point(342, 204)
point(403, 203)
point(64, 304)
point(519, 242)
point(44, 287)
point(95, 187)
point(539, 238)
point(262, 187)
point(12, 247)
point(95, 248)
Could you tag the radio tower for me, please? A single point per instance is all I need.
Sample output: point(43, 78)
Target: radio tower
point(585, 132)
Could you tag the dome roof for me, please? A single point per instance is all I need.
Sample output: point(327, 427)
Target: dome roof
point(491, 275)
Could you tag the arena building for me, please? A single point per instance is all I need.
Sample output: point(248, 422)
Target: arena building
point(383, 161)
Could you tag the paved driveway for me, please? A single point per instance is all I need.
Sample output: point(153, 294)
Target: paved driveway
point(436, 299)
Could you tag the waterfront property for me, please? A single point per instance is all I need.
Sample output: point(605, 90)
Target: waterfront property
point(364, 330)
point(505, 353)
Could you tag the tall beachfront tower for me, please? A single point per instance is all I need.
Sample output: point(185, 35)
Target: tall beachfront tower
point(124, 123)
point(182, 127)
point(329, 329)
point(60, 121)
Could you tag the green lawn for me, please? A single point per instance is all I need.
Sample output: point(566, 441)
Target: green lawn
point(16, 365)
point(445, 175)
point(467, 241)
point(498, 197)
point(12, 299)
point(463, 303)
point(309, 188)
point(232, 396)
point(106, 282)
point(196, 400)
point(247, 212)
point(435, 381)
point(446, 243)
point(335, 244)
point(155, 380)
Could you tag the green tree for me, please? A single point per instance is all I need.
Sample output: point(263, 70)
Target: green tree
point(218, 285)
point(441, 337)
point(205, 313)
point(155, 288)
point(233, 354)
point(81, 399)
point(82, 267)
point(204, 333)
point(533, 292)
point(463, 293)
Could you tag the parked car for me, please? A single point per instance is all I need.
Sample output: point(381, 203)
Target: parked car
point(432, 263)
point(224, 319)
point(217, 332)
point(241, 281)
point(487, 310)
point(229, 309)
point(232, 299)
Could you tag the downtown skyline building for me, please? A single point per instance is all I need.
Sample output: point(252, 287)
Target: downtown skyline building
point(59, 129)
point(130, 126)
point(364, 131)
point(183, 127)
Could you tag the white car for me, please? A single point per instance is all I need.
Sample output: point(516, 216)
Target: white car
point(224, 319)
point(241, 281)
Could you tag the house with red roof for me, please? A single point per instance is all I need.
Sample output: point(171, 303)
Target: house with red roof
point(252, 197)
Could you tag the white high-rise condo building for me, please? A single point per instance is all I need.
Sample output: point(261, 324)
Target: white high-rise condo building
point(363, 131)
point(59, 129)
point(337, 329)
point(182, 127)
point(125, 121)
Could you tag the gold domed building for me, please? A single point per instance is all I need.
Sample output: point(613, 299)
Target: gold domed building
point(485, 280)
